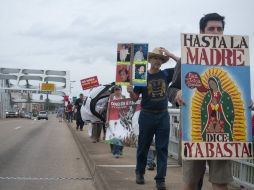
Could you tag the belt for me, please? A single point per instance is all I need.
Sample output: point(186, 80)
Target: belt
point(154, 111)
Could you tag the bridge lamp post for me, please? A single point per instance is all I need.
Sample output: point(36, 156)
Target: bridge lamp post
point(72, 81)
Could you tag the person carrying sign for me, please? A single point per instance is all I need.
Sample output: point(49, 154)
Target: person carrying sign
point(153, 118)
point(220, 174)
point(116, 144)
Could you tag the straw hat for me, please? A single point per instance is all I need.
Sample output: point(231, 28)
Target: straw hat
point(158, 53)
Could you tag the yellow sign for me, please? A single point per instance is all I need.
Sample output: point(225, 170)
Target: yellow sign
point(48, 87)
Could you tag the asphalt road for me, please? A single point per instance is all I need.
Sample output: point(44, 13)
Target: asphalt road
point(41, 155)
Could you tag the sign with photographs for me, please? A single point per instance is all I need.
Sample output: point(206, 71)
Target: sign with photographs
point(131, 66)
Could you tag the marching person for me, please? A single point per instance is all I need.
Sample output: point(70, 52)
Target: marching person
point(153, 118)
point(220, 174)
point(116, 144)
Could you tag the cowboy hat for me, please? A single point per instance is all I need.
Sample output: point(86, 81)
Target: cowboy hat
point(158, 53)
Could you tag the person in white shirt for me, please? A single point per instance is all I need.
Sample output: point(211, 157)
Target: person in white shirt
point(123, 53)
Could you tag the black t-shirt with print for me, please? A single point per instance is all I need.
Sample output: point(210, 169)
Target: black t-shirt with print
point(154, 95)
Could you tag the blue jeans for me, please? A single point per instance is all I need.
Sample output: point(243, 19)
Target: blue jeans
point(150, 157)
point(79, 122)
point(151, 124)
point(69, 118)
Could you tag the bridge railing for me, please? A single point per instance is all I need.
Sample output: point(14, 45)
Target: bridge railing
point(174, 148)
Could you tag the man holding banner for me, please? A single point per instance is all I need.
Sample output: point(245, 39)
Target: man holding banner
point(153, 118)
point(220, 174)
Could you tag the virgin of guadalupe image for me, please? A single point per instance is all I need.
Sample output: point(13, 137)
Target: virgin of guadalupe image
point(217, 110)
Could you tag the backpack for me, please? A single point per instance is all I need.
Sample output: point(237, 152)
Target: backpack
point(94, 108)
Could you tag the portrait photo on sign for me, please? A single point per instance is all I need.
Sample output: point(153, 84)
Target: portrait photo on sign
point(140, 52)
point(123, 73)
point(140, 71)
point(123, 53)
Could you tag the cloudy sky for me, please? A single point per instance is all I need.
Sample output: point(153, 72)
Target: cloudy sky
point(81, 35)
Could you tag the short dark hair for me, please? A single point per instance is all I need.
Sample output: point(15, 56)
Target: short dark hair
point(210, 17)
point(117, 87)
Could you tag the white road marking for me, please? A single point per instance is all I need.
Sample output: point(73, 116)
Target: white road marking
point(117, 166)
point(132, 166)
point(47, 178)
point(16, 128)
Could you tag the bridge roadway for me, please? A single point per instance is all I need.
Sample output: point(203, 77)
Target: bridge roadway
point(40, 154)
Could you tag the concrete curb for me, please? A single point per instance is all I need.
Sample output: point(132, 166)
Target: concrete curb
point(95, 171)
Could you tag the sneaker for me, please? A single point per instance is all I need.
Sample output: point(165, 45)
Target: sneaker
point(140, 179)
point(116, 155)
point(160, 185)
point(150, 167)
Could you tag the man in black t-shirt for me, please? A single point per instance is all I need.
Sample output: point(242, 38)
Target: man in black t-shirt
point(154, 117)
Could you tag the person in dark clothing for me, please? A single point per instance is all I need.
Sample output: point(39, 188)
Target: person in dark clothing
point(154, 117)
point(69, 112)
point(78, 104)
point(193, 170)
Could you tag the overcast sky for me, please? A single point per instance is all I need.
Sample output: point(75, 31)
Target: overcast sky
point(82, 35)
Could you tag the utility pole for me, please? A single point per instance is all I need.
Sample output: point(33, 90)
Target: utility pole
point(46, 105)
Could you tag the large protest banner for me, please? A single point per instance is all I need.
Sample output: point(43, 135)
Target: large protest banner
point(123, 121)
point(216, 119)
point(131, 68)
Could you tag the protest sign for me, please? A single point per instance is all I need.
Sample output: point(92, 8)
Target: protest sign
point(123, 121)
point(90, 82)
point(216, 89)
point(131, 68)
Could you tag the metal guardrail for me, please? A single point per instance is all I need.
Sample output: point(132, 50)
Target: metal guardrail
point(174, 150)
point(243, 170)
